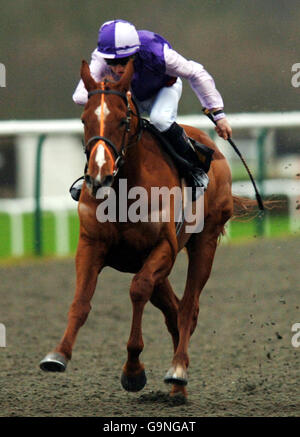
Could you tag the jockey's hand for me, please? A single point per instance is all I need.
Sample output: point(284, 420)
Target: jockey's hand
point(223, 128)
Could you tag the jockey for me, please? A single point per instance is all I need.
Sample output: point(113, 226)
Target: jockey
point(156, 84)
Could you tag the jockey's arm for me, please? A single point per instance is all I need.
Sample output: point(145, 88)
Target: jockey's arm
point(203, 85)
point(223, 128)
point(98, 68)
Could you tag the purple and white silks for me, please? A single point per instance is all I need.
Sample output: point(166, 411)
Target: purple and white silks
point(156, 62)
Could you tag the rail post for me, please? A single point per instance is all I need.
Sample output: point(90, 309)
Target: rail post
point(38, 246)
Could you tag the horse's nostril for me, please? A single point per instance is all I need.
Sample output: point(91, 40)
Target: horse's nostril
point(104, 183)
point(107, 181)
point(94, 188)
point(87, 178)
point(94, 184)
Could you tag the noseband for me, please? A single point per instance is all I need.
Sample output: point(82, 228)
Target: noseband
point(118, 155)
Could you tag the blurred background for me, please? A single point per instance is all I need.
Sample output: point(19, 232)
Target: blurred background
point(248, 46)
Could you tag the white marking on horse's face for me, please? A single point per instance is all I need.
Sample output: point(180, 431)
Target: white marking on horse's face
point(105, 111)
point(100, 159)
point(100, 154)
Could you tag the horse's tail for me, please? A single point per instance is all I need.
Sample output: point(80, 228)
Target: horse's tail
point(247, 209)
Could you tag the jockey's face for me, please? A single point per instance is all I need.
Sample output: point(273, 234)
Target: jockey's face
point(118, 65)
point(118, 69)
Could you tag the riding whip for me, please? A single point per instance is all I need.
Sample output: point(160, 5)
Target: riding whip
point(258, 196)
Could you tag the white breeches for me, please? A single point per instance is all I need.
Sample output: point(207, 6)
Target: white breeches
point(162, 108)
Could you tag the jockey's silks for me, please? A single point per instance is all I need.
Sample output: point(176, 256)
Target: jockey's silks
point(149, 66)
point(155, 64)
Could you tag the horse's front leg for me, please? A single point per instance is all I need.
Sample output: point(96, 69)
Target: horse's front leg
point(89, 262)
point(156, 268)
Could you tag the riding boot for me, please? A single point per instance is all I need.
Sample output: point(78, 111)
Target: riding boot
point(183, 146)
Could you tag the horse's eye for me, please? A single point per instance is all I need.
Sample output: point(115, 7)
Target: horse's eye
point(82, 121)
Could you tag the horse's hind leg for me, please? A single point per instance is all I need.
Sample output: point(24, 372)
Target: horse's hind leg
point(89, 262)
point(201, 251)
point(155, 269)
point(164, 298)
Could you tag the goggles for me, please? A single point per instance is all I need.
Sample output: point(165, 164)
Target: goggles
point(117, 61)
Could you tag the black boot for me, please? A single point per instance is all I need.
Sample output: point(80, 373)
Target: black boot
point(184, 147)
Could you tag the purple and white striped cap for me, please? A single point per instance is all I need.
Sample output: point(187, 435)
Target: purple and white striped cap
point(118, 39)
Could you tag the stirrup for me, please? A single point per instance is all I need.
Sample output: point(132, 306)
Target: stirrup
point(76, 187)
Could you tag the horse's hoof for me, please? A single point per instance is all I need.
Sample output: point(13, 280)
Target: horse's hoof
point(134, 383)
point(176, 375)
point(54, 362)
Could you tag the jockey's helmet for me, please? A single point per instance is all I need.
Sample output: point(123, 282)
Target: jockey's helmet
point(118, 39)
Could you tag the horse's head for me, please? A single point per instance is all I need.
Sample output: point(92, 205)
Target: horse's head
point(107, 126)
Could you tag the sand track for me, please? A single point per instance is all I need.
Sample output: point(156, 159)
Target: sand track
point(242, 362)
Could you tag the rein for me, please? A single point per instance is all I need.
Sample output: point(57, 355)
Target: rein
point(117, 156)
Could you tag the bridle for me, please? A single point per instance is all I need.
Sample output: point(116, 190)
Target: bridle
point(117, 155)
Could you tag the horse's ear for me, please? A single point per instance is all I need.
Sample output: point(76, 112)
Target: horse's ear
point(89, 82)
point(125, 81)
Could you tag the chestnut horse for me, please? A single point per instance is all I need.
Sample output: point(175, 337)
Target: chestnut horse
point(146, 249)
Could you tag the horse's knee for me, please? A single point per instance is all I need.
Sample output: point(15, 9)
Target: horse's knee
point(141, 289)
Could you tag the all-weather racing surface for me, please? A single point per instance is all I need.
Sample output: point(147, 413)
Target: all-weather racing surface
point(244, 359)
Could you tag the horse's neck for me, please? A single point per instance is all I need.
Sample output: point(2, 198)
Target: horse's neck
point(143, 159)
point(133, 163)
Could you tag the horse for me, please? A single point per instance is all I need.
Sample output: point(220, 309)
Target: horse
point(117, 147)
